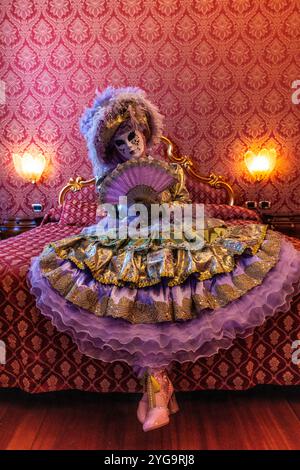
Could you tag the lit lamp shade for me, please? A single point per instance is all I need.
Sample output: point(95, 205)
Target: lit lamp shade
point(262, 164)
point(29, 167)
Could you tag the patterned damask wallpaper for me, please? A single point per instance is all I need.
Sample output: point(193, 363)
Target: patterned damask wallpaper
point(220, 70)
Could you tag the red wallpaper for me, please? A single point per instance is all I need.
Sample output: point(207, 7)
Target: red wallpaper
point(221, 72)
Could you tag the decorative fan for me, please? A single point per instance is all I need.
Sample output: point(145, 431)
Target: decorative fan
point(140, 179)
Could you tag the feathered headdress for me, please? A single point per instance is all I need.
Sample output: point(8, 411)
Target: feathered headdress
point(110, 109)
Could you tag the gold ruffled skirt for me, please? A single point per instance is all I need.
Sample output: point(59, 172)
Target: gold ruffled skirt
point(237, 257)
point(144, 262)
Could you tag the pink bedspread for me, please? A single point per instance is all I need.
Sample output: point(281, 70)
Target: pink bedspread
point(40, 359)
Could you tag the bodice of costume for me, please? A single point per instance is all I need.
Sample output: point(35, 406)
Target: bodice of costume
point(178, 193)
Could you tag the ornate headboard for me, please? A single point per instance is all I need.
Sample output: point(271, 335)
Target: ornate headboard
point(213, 181)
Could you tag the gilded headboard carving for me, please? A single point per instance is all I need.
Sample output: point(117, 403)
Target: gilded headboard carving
point(215, 181)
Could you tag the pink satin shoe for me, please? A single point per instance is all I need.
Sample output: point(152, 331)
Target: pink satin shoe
point(160, 402)
point(143, 407)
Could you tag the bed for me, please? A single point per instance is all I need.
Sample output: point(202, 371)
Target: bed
point(41, 359)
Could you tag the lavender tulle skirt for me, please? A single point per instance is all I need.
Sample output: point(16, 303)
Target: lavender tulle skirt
point(157, 345)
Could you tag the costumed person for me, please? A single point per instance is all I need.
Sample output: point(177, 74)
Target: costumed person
point(151, 301)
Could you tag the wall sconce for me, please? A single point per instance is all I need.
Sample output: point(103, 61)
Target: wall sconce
point(29, 167)
point(261, 164)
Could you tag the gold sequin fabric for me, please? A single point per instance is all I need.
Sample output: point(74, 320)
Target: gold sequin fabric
point(144, 262)
point(159, 310)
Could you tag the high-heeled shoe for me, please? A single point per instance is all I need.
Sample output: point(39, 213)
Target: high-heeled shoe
point(142, 409)
point(161, 401)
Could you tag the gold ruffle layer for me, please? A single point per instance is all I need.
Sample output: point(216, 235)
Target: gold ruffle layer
point(86, 297)
point(144, 262)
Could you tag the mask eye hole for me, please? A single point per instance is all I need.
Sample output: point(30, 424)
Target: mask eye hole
point(119, 142)
point(131, 135)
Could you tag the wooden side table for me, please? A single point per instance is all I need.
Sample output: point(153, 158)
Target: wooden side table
point(13, 226)
point(289, 224)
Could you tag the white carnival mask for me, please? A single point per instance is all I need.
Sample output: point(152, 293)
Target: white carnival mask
point(130, 144)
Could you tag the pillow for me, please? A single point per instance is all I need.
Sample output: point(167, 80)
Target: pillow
point(226, 212)
point(79, 207)
point(203, 193)
point(53, 215)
